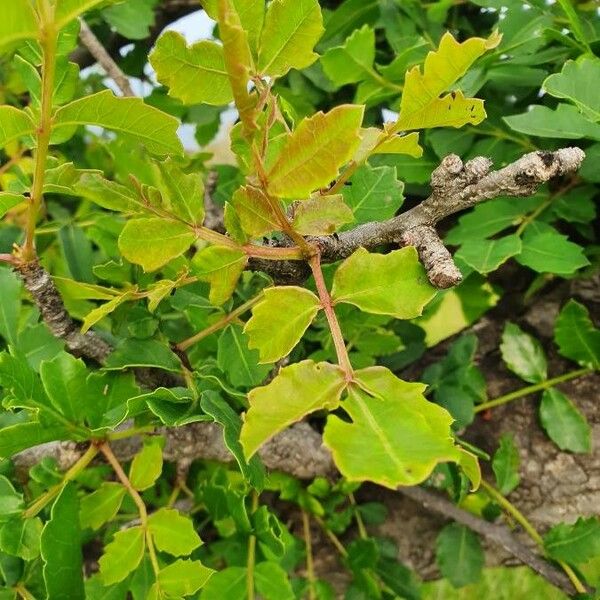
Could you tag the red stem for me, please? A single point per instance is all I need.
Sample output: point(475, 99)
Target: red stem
point(334, 326)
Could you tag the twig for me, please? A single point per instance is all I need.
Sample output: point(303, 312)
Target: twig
point(495, 533)
point(98, 51)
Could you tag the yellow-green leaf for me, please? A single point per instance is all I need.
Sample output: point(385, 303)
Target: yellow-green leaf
point(238, 62)
point(194, 74)
point(154, 128)
point(122, 555)
point(152, 242)
point(105, 309)
point(279, 320)
point(9, 200)
point(297, 391)
point(291, 30)
point(401, 144)
point(321, 215)
point(221, 266)
point(421, 105)
point(183, 578)
point(314, 152)
point(18, 22)
point(386, 284)
point(67, 10)
point(255, 215)
point(14, 123)
point(396, 436)
point(173, 532)
point(146, 465)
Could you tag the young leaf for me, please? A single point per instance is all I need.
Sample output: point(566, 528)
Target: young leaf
point(563, 423)
point(321, 215)
point(255, 214)
point(18, 23)
point(147, 464)
point(547, 251)
point(122, 555)
point(506, 464)
point(14, 123)
point(221, 266)
point(102, 505)
point(215, 406)
point(155, 129)
point(61, 548)
point(279, 320)
point(184, 578)
point(486, 256)
point(386, 284)
point(421, 105)
point(396, 437)
point(8, 201)
point(573, 83)
point(575, 543)
point(184, 192)
point(576, 336)
point(375, 194)
point(172, 532)
point(237, 360)
point(291, 30)
point(98, 313)
point(459, 555)
point(67, 10)
point(304, 387)
point(523, 354)
point(194, 74)
point(316, 149)
point(152, 242)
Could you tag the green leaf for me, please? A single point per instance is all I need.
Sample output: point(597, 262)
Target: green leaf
point(237, 360)
point(486, 256)
point(61, 548)
point(421, 105)
point(386, 284)
point(459, 555)
point(132, 19)
point(153, 242)
point(21, 537)
point(316, 149)
point(184, 192)
point(576, 543)
point(18, 23)
point(10, 305)
point(194, 74)
point(297, 391)
point(255, 215)
point(64, 379)
point(9, 200)
point(98, 313)
point(215, 406)
point(11, 502)
point(147, 464)
point(563, 122)
point(321, 215)
point(563, 423)
point(396, 437)
point(375, 194)
point(251, 14)
point(173, 532)
point(221, 266)
point(67, 10)
point(143, 353)
point(227, 583)
point(21, 436)
point(122, 555)
point(130, 116)
point(506, 463)
point(547, 251)
point(352, 62)
point(576, 336)
point(184, 577)
point(573, 83)
point(523, 354)
point(102, 505)
point(14, 123)
point(272, 582)
point(279, 320)
point(105, 193)
point(291, 30)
